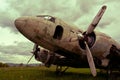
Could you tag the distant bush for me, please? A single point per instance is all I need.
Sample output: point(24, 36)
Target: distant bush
point(3, 65)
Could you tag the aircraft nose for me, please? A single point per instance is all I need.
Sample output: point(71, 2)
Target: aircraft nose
point(20, 23)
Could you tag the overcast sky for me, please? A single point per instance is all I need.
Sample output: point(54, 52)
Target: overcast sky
point(16, 48)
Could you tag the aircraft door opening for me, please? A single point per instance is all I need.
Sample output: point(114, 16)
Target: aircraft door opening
point(58, 32)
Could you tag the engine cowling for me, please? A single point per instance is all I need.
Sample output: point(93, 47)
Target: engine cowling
point(42, 55)
point(49, 58)
point(90, 39)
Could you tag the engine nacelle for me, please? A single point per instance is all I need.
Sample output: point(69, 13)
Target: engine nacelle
point(49, 58)
point(42, 55)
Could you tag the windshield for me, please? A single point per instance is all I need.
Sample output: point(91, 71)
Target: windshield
point(47, 17)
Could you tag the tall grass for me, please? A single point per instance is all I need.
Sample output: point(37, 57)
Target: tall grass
point(43, 73)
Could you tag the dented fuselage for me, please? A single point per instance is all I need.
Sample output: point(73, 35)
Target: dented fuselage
point(55, 35)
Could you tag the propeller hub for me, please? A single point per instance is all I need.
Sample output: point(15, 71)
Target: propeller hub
point(90, 39)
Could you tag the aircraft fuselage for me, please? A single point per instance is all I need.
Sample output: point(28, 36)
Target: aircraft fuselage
point(73, 44)
point(56, 36)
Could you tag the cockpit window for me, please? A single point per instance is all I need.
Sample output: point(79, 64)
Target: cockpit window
point(47, 17)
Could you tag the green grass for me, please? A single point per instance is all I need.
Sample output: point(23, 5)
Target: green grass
point(43, 73)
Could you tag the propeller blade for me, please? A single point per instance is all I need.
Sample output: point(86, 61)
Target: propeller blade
point(30, 59)
point(35, 47)
point(90, 60)
point(34, 50)
point(96, 20)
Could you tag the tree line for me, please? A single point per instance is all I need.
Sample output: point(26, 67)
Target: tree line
point(3, 64)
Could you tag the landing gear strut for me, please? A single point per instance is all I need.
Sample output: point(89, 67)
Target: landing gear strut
point(59, 70)
point(109, 72)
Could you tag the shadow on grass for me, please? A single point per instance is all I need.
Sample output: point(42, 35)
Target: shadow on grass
point(81, 76)
point(41, 73)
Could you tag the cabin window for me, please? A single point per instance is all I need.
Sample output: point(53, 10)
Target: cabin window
point(58, 32)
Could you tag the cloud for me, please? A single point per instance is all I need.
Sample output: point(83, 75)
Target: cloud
point(8, 58)
point(20, 48)
point(17, 53)
point(78, 12)
point(20, 52)
point(69, 11)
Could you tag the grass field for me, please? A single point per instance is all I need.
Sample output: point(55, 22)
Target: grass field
point(43, 73)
